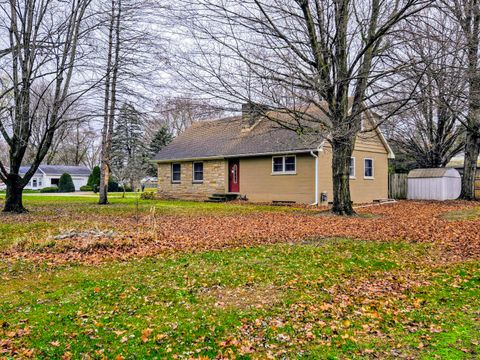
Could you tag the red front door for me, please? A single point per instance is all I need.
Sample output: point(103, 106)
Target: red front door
point(234, 176)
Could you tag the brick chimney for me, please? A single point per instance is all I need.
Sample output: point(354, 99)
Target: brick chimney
point(251, 112)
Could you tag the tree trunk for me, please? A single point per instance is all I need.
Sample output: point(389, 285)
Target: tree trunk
point(103, 200)
point(13, 199)
point(110, 100)
point(341, 154)
point(472, 149)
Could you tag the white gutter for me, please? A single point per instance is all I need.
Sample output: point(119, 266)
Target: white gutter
point(316, 178)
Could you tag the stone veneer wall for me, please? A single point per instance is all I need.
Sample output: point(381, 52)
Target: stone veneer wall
point(214, 180)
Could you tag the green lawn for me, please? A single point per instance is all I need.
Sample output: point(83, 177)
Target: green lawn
point(330, 298)
point(284, 298)
point(469, 214)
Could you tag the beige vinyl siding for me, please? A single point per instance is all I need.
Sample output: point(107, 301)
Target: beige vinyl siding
point(370, 146)
point(259, 184)
point(367, 146)
point(370, 141)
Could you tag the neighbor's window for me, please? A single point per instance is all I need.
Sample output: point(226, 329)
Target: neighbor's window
point(352, 167)
point(39, 182)
point(368, 168)
point(198, 172)
point(176, 173)
point(34, 182)
point(284, 164)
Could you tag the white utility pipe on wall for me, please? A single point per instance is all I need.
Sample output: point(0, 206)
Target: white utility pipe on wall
point(316, 177)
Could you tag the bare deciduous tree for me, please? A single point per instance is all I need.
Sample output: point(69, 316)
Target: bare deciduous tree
point(177, 113)
point(297, 55)
point(133, 59)
point(429, 129)
point(466, 13)
point(79, 141)
point(113, 62)
point(42, 47)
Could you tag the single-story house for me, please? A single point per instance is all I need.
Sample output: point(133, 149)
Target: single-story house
point(254, 157)
point(49, 175)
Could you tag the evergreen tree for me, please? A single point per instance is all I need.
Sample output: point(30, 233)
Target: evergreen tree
point(65, 184)
point(128, 149)
point(94, 178)
point(161, 139)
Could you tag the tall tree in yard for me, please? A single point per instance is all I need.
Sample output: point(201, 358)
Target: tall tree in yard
point(110, 99)
point(133, 56)
point(429, 128)
point(466, 13)
point(43, 42)
point(128, 150)
point(293, 55)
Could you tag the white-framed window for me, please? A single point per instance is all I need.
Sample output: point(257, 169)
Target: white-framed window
point(34, 183)
point(368, 170)
point(351, 169)
point(176, 173)
point(40, 182)
point(286, 164)
point(198, 172)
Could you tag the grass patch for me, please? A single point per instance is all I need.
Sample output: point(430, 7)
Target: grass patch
point(131, 204)
point(281, 300)
point(466, 214)
point(12, 232)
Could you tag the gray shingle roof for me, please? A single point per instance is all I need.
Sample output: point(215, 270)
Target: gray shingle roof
point(225, 138)
point(59, 170)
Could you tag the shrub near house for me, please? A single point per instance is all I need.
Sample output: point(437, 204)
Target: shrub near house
point(65, 184)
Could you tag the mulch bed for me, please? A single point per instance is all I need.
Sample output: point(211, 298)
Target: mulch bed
point(151, 235)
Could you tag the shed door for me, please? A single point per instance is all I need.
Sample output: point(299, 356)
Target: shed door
point(234, 176)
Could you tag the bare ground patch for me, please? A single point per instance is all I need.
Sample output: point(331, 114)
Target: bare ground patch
point(243, 297)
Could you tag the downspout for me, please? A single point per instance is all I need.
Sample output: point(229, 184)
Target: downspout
point(316, 177)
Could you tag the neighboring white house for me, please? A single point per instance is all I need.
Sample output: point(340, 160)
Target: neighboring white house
point(434, 184)
point(49, 175)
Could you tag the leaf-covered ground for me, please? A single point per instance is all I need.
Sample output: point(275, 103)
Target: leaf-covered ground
point(191, 280)
point(160, 227)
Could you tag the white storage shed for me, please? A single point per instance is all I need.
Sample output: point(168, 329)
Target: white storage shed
point(434, 184)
